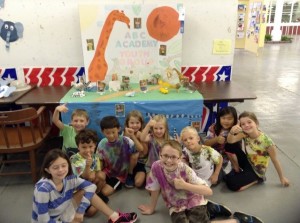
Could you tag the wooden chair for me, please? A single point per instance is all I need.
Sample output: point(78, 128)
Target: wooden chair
point(21, 131)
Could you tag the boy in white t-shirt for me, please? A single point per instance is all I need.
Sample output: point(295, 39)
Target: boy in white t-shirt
point(204, 160)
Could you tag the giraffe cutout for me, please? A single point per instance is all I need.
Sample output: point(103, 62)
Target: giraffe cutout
point(98, 66)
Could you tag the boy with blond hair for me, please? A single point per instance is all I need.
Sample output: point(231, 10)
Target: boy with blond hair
point(79, 121)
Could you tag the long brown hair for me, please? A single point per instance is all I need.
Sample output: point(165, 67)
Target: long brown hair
point(50, 157)
point(136, 114)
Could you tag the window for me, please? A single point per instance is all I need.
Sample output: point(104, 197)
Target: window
point(271, 14)
point(296, 12)
point(290, 11)
point(286, 12)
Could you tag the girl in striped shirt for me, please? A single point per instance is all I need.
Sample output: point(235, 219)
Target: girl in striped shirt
point(60, 196)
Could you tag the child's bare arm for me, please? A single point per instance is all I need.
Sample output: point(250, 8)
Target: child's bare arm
point(145, 133)
point(144, 144)
point(273, 155)
point(87, 173)
point(55, 118)
point(204, 190)
point(235, 134)
point(214, 177)
point(213, 141)
point(130, 133)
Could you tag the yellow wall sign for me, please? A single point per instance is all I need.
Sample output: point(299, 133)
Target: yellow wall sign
point(222, 46)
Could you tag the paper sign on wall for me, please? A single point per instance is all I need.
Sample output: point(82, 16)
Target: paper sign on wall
point(221, 46)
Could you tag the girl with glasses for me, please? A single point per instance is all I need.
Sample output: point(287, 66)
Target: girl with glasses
point(181, 189)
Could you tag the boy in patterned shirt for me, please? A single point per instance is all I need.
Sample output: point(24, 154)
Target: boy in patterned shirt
point(204, 160)
point(114, 152)
point(86, 164)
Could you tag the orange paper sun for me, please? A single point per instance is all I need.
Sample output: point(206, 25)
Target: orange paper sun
point(163, 23)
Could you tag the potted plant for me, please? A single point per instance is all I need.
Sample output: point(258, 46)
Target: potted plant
point(268, 37)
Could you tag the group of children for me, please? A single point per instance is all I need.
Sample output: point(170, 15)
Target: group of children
point(81, 175)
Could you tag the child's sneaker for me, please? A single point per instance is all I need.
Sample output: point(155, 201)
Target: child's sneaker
point(129, 181)
point(245, 218)
point(125, 218)
point(217, 210)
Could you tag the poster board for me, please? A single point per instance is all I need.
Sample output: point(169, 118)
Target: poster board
point(137, 41)
point(242, 18)
point(251, 25)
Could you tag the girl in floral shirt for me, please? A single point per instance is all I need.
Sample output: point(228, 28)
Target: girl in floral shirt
point(259, 148)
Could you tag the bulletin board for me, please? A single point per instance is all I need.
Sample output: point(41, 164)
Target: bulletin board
point(136, 41)
point(241, 22)
point(253, 26)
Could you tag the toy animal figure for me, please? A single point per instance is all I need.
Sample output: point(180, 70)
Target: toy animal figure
point(125, 83)
point(78, 94)
point(167, 85)
point(184, 81)
point(82, 85)
point(188, 85)
point(169, 72)
point(164, 90)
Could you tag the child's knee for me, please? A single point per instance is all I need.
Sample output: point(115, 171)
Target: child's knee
point(91, 211)
point(107, 190)
point(139, 180)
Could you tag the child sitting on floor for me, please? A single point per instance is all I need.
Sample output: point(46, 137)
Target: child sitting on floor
point(136, 173)
point(259, 149)
point(204, 160)
point(217, 138)
point(114, 152)
point(61, 196)
point(155, 133)
point(182, 191)
point(86, 163)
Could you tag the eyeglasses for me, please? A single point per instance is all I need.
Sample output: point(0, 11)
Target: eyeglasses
point(166, 157)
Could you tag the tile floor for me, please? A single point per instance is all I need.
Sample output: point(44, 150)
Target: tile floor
point(274, 77)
